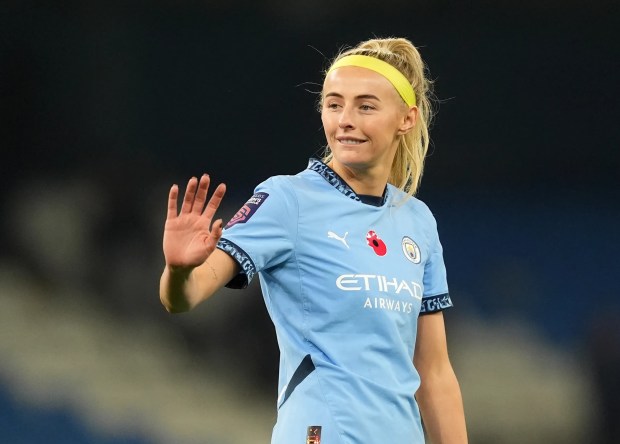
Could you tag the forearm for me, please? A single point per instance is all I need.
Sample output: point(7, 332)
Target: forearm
point(441, 406)
point(177, 290)
point(181, 289)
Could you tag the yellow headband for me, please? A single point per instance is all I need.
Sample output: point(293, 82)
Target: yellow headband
point(395, 77)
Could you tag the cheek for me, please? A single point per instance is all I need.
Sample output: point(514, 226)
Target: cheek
point(381, 130)
point(387, 128)
point(328, 123)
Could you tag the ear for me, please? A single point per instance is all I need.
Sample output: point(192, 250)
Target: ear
point(409, 121)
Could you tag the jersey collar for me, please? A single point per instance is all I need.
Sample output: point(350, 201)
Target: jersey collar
point(336, 181)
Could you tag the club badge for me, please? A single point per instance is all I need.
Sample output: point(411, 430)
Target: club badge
point(411, 250)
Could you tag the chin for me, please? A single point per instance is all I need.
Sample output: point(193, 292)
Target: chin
point(352, 159)
point(344, 156)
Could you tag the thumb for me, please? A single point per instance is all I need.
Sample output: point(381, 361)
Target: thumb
point(216, 234)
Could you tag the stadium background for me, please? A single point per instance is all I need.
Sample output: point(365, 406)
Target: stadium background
point(105, 104)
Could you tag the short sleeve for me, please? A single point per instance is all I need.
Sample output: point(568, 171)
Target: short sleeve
point(262, 233)
point(436, 297)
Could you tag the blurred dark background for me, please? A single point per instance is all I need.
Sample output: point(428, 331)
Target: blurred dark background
point(103, 105)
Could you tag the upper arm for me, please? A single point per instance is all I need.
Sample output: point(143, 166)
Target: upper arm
point(431, 348)
point(439, 394)
point(262, 234)
point(436, 296)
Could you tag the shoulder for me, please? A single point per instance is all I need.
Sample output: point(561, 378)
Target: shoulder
point(424, 211)
point(280, 193)
point(274, 186)
point(414, 205)
point(291, 185)
point(273, 183)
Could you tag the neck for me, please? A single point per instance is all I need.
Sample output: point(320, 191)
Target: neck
point(369, 181)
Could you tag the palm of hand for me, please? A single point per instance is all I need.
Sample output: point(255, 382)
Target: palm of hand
point(189, 238)
point(185, 241)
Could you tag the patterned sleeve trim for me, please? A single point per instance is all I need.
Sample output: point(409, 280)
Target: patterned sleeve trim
point(433, 304)
point(248, 269)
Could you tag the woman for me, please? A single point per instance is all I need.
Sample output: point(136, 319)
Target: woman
point(350, 264)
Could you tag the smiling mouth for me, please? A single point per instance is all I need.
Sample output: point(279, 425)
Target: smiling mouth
point(350, 141)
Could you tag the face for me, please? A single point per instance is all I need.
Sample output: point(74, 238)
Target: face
point(363, 117)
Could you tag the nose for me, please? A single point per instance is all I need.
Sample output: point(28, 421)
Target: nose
point(345, 119)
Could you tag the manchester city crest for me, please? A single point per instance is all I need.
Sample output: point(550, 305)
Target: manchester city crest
point(411, 250)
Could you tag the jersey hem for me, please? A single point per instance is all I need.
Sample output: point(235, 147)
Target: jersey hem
point(248, 269)
point(434, 304)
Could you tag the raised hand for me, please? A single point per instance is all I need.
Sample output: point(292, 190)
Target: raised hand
point(189, 237)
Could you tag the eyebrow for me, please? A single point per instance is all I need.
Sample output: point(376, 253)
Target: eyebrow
point(361, 96)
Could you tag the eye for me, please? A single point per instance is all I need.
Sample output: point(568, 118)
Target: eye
point(331, 105)
point(367, 107)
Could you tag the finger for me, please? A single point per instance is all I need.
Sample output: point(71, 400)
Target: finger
point(172, 202)
point(215, 201)
point(201, 194)
point(190, 192)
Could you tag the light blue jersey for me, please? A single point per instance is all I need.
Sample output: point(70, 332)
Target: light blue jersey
point(344, 283)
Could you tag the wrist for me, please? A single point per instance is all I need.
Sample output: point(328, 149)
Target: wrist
point(178, 273)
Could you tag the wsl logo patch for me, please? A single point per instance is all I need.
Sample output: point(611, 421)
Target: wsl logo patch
point(411, 250)
point(247, 210)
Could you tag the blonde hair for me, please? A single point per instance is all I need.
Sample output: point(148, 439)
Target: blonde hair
point(408, 163)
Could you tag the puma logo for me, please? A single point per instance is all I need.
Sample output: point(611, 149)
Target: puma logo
point(343, 239)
